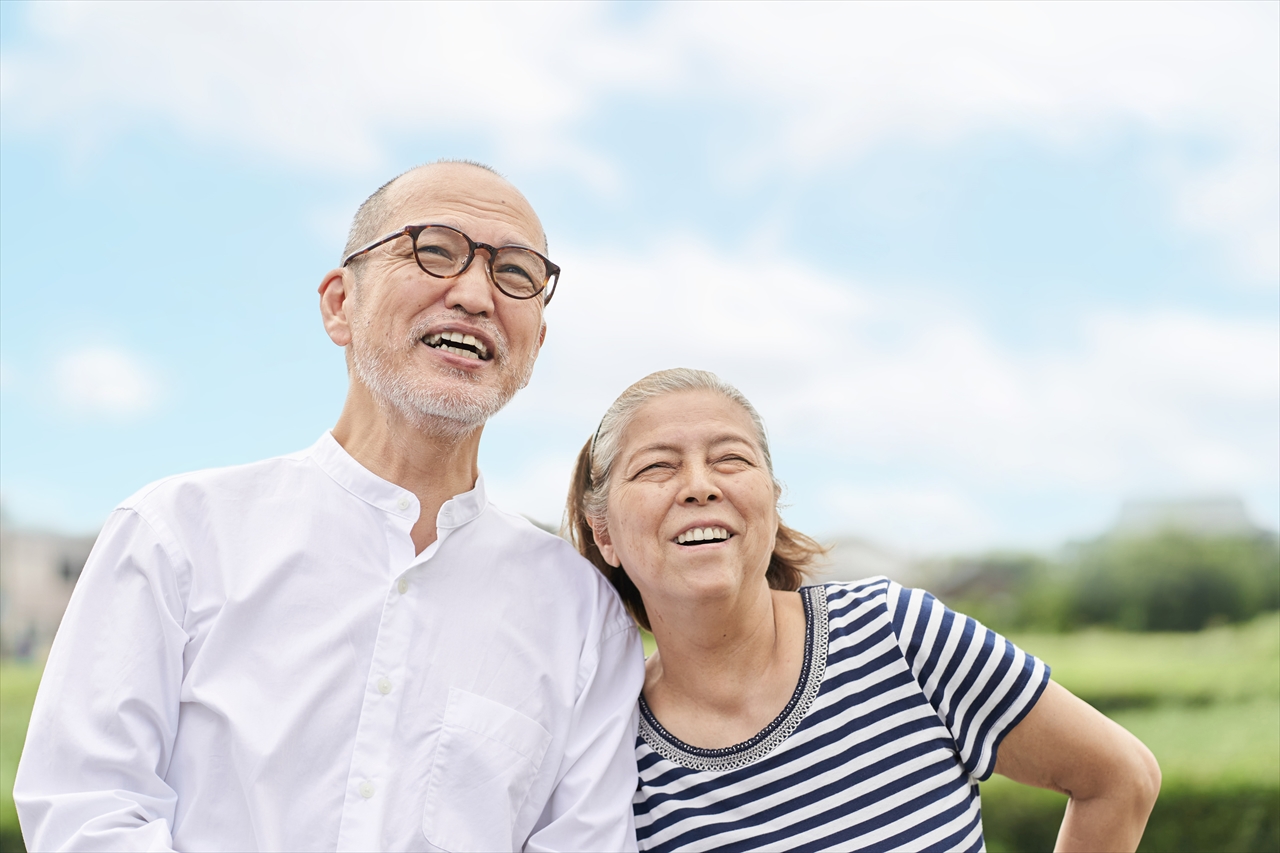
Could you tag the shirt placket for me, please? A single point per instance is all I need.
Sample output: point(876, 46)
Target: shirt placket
point(365, 798)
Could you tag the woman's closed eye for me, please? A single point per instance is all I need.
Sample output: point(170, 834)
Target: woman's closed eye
point(654, 469)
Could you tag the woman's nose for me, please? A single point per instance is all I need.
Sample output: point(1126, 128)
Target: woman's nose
point(699, 489)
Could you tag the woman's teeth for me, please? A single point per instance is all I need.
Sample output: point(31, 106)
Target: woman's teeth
point(458, 344)
point(702, 534)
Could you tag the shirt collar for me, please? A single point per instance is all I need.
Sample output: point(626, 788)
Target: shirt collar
point(342, 467)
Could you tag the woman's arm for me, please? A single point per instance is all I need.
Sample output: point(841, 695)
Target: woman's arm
point(1112, 779)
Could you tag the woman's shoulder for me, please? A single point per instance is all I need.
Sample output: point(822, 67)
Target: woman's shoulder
point(853, 605)
point(857, 593)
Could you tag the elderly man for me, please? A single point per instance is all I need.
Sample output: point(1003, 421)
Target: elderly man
point(350, 648)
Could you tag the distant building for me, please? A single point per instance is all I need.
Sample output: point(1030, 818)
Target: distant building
point(852, 558)
point(38, 570)
point(1223, 515)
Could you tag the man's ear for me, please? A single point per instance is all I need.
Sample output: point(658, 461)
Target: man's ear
point(600, 532)
point(335, 294)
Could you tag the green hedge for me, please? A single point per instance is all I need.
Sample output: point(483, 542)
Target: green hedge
point(11, 839)
point(1175, 582)
point(1166, 582)
point(1015, 818)
point(1224, 819)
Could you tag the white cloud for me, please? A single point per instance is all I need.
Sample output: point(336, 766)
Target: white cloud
point(332, 85)
point(857, 73)
point(1144, 398)
point(105, 381)
point(322, 85)
point(839, 79)
point(1146, 402)
point(1239, 202)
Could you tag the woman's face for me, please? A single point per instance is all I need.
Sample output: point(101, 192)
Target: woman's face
point(691, 509)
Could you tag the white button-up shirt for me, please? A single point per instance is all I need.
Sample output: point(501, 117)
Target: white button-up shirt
point(255, 659)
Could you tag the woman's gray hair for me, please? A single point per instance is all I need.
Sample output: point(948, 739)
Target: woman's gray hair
point(608, 437)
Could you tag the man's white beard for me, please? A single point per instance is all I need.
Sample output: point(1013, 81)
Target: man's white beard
point(448, 409)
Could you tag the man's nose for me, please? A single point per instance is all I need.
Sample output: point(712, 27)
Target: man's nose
point(472, 291)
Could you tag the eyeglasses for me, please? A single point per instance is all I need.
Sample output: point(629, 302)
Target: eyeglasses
point(444, 252)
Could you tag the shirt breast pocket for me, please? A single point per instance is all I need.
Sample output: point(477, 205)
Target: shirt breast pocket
point(484, 765)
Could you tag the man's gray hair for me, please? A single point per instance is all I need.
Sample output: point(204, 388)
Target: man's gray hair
point(371, 217)
point(608, 439)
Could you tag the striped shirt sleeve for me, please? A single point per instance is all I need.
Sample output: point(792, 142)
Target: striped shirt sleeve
point(980, 684)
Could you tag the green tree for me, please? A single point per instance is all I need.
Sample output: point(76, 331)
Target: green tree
point(1174, 581)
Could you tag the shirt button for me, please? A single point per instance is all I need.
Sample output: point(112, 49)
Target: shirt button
point(403, 585)
point(403, 503)
point(384, 685)
point(366, 789)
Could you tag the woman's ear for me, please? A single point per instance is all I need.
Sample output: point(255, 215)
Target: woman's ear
point(600, 532)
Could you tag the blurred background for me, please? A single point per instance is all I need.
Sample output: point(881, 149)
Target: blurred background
point(1003, 279)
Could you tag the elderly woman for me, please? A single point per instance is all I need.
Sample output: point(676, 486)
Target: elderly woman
point(844, 716)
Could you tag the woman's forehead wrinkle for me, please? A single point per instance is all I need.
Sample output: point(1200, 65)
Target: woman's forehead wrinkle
point(669, 447)
point(729, 437)
point(657, 447)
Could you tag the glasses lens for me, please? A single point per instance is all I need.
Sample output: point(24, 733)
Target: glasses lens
point(519, 272)
point(442, 251)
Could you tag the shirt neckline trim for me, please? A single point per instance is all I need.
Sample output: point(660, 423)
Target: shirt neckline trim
point(342, 468)
point(767, 739)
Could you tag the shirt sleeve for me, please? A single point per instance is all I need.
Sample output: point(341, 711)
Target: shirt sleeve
point(92, 771)
point(590, 807)
point(980, 684)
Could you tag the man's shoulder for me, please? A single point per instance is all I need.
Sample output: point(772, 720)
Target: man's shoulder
point(549, 560)
point(537, 545)
point(210, 486)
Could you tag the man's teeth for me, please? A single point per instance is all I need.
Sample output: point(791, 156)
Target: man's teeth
point(703, 534)
point(470, 347)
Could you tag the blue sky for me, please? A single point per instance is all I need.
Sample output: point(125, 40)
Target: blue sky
point(987, 270)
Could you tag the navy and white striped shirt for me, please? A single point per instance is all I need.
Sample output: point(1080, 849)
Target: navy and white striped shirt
point(901, 705)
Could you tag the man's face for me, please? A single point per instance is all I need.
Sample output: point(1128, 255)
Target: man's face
point(402, 318)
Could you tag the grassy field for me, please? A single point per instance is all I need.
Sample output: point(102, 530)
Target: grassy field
point(17, 692)
point(1207, 704)
point(1113, 670)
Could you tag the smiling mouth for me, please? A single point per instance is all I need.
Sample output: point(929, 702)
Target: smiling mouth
point(457, 343)
point(703, 535)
